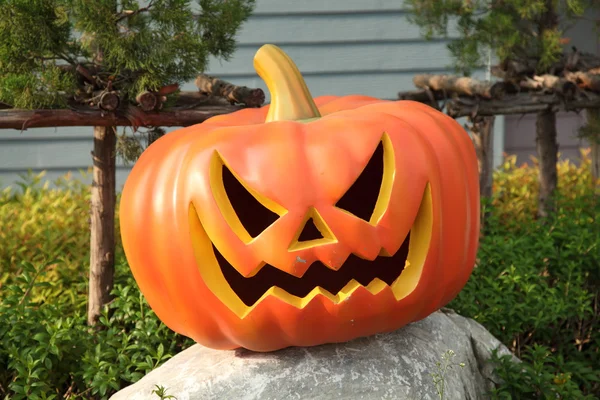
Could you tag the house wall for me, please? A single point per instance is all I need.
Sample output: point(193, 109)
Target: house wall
point(341, 46)
point(520, 136)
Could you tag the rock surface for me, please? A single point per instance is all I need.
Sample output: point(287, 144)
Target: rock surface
point(395, 365)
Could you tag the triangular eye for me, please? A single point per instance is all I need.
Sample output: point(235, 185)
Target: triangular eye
point(369, 195)
point(253, 216)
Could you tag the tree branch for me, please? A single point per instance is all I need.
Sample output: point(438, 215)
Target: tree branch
point(234, 94)
point(550, 83)
point(81, 70)
point(67, 58)
point(585, 80)
point(148, 101)
point(130, 13)
point(576, 60)
point(460, 85)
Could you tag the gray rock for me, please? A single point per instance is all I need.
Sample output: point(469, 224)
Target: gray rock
point(395, 365)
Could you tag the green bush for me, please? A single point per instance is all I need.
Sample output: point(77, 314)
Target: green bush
point(39, 223)
point(47, 351)
point(516, 188)
point(536, 288)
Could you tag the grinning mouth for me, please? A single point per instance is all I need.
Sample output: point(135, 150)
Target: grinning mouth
point(251, 289)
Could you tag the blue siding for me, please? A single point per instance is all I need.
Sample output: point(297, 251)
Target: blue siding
point(341, 46)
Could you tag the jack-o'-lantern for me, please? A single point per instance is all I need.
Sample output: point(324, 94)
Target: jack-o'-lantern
point(302, 222)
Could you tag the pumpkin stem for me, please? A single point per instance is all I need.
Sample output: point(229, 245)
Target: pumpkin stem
point(290, 97)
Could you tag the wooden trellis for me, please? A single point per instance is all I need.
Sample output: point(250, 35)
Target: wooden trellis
point(573, 84)
point(103, 109)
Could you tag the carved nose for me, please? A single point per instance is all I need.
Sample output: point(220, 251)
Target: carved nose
point(310, 231)
point(314, 232)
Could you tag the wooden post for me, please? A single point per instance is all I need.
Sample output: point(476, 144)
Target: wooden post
point(545, 127)
point(595, 156)
point(547, 150)
point(102, 241)
point(591, 132)
point(482, 135)
point(483, 140)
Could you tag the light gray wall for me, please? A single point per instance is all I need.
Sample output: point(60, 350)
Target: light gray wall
point(341, 46)
point(520, 136)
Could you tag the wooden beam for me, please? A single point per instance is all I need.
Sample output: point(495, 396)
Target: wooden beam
point(524, 103)
point(426, 96)
point(520, 103)
point(132, 116)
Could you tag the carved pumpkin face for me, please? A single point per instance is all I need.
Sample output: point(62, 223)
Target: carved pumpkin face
point(303, 222)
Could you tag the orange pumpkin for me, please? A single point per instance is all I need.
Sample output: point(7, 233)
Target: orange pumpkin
point(303, 222)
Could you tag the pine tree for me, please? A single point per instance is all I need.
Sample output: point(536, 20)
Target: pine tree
point(134, 46)
point(525, 32)
point(56, 53)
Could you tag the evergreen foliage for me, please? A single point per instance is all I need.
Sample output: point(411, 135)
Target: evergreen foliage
point(513, 29)
point(134, 45)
